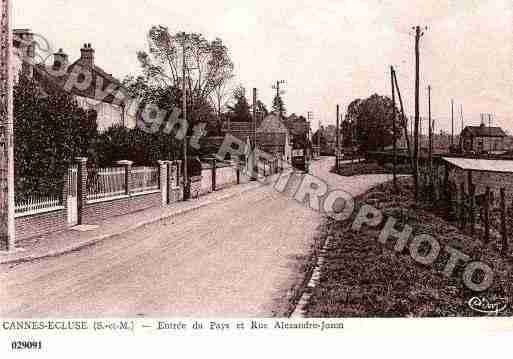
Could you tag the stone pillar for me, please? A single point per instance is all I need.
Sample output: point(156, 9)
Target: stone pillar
point(81, 188)
point(214, 170)
point(163, 181)
point(179, 179)
point(128, 174)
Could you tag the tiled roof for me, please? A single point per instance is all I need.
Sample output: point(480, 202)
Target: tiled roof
point(107, 81)
point(272, 124)
point(484, 131)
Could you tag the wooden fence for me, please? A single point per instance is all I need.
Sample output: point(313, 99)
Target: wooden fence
point(487, 214)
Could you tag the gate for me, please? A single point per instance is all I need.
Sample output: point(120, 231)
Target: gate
point(72, 201)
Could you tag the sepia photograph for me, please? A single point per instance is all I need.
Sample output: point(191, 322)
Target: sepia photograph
point(242, 166)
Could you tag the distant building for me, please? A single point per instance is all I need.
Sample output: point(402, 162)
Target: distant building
point(274, 137)
point(298, 127)
point(481, 139)
point(92, 87)
point(327, 140)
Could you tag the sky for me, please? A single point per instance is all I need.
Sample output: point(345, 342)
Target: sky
point(328, 52)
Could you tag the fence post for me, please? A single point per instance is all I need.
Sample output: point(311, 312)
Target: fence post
point(487, 215)
point(170, 179)
point(128, 174)
point(504, 231)
point(462, 205)
point(66, 190)
point(163, 181)
point(214, 170)
point(81, 188)
point(179, 179)
point(237, 170)
point(472, 190)
point(446, 191)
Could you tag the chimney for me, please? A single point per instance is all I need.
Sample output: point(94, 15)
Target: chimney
point(60, 60)
point(87, 55)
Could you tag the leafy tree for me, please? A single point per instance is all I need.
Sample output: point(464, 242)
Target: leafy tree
point(278, 105)
point(51, 131)
point(240, 110)
point(262, 109)
point(372, 120)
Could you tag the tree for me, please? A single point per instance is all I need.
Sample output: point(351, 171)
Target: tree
point(372, 119)
point(208, 66)
point(278, 105)
point(220, 96)
point(51, 131)
point(240, 110)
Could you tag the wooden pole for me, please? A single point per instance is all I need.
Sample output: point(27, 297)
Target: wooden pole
point(472, 192)
point(462, 205)
point(338, 139)
point(393, 129)
point(7, 230)
point(430, 134)
point(416, 134)
point(504, 232)
point(487, 215)
point(405, 120)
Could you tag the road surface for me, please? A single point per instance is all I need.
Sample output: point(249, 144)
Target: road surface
point(234, 258)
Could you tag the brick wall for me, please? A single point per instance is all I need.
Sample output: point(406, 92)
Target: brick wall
point(39, 224)
point(97, 211)
point(226, 177)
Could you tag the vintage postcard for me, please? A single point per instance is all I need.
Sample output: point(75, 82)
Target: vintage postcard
point(299, 169)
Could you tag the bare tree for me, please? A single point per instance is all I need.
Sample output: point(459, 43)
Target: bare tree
point(208, 65)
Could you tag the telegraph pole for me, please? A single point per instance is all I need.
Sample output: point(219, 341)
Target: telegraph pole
point(7, 231)
point(337, 137)
point(278, 93)
point(418, 35)
point(254, 124)
point(430, 129)
point(186, 192)
point(393, 128)
point(452, 123)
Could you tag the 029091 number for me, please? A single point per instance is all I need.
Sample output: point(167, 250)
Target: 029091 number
point(26, 345)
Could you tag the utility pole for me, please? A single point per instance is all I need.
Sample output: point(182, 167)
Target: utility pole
point(405, 119)
point(278, 93)
point(338, 137)
point(418, 35)
point(7, 231)
point(254, 124)
point(393, 128)
point(452, 122)
point(186, 192)
point(319, 137)
point(430, 129)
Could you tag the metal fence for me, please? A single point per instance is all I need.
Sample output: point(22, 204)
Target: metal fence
point(145, 179)
point(105, 182)
point(37, 204)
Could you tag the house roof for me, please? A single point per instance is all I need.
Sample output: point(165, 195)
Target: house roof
point(297, 126)
point(472, 164)
point(272, 124)
point(102, 87)
point(484, 131)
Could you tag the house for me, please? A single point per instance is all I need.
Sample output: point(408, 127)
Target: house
point(91, 86)
point(274, 137)
point(481, 139)
point(299, 128)
point(328, 139)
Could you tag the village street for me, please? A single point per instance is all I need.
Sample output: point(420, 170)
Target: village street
point(234, 258)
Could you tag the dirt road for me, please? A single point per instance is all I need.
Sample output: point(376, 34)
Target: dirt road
point(235, 258)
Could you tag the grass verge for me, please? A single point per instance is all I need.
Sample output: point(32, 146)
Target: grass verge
point(363, 278)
